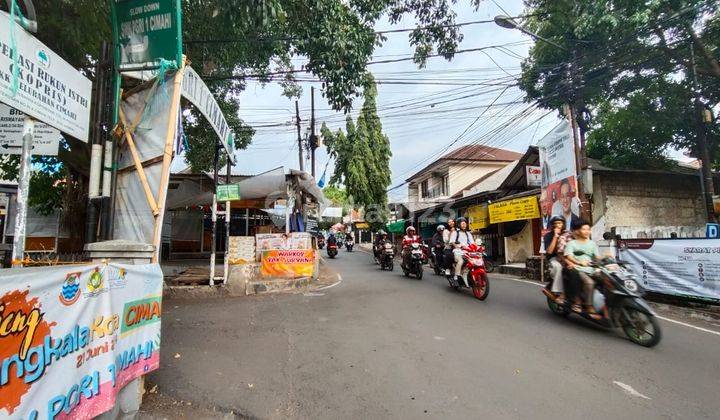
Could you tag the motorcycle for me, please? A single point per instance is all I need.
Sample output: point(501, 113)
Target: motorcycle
point(617, 298)
point(332, 250)
point(413, 261)
point(349, 245)
point(437, 259)
point(387, 254)
point(473, 272)
point(320, 242)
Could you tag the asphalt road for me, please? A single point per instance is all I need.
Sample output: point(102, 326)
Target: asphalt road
point(379, 345)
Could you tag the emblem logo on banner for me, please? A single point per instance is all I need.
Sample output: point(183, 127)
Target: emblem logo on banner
point(70, 291)
point(96, 283)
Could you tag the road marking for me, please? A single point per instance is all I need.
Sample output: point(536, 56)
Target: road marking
point(312, 294)
point(630, 390)
point(332, 285)
point(685, 324)
point(523, 281)
point(674, 321)
point(437, 337)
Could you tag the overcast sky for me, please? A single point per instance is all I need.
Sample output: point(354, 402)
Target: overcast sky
point(421, 120)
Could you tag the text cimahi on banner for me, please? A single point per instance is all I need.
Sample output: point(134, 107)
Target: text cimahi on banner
point(147, 31)
point(71, 337)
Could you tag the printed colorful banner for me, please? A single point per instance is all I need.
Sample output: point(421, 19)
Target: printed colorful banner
point(289, 263)
point(511, 210)
point(680, 267)
point(295, 240)
point(71, 337)
point(558, 196)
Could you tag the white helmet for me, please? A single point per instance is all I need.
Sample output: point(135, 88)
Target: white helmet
point(440, 228)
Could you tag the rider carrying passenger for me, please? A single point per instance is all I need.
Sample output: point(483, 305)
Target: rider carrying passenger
point(460, 239)
point(580, 253)
point(448, 258)
point(551, 242)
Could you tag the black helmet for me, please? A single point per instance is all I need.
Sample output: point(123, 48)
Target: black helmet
point(460, 220)
point(556, 219)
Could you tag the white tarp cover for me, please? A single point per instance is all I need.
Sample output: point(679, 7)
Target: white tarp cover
point(37, 225)
point(81, 333)
point(134, 220)
point(681, 267)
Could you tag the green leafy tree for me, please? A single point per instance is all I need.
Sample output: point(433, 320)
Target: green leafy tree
point(362, 158)
point(623, 57)
point(231, 41)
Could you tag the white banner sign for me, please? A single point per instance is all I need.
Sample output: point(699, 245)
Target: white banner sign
point(72, 336)
point(681, 267)
point(533, 175)
point(45, 141)
point(195, 90)
point(49, 89)
point(558, 195)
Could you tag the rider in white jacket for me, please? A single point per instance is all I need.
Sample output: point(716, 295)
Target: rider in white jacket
point(460, 239)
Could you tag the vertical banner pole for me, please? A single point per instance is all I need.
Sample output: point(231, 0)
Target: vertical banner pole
point(18, 253)
point(228, 211)
point(167, 159)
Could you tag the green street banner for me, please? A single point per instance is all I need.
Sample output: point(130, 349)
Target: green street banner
point(195, 91)
point(228, 192)
point(49, 89)
point(147, 32)
point(71, 337)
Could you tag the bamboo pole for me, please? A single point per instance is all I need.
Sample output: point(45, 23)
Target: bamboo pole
point(138, 165)
point(167, 158)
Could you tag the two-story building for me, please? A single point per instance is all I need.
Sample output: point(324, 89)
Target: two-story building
point(433, 187)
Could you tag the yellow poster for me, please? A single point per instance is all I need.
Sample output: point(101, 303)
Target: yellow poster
point(478, 217)
point(288, 263)
point(517, 209)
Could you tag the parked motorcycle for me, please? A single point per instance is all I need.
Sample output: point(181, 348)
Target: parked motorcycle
point(437, 259)
point(473, 272)
point(349, 245)
point(387, 254)
point(332, 250)
point(619, 303)
point(413, 261)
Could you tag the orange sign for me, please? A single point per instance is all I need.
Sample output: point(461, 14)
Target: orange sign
point(288, 263)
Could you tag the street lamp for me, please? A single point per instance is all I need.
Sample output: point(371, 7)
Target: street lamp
point(509, 23)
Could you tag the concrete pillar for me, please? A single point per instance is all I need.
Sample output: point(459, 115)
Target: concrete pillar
point(127, 403)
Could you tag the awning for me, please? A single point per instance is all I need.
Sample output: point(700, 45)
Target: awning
point(396, 227)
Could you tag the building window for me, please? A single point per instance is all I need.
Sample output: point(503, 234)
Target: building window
point(424, 189)
point(445, 185)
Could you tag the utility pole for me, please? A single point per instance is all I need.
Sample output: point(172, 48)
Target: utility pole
point(213, 245)
point(708, 185)
point(313, 137)
point(300, 145)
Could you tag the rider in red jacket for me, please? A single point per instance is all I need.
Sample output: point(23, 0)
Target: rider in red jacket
point(410, 237)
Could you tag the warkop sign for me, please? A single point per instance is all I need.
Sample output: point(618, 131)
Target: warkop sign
point(49, 89)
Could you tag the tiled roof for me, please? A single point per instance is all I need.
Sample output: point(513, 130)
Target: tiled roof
point(480, 153)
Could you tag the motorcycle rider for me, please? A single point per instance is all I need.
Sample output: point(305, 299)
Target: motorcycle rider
point(579, 254)
point(460, 239)
point(380, 239)
point(448, 259)
point(551, 242)
point(409, 238)
point(437, 243)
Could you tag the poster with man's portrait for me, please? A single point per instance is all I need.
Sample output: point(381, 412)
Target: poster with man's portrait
point(558, 196)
